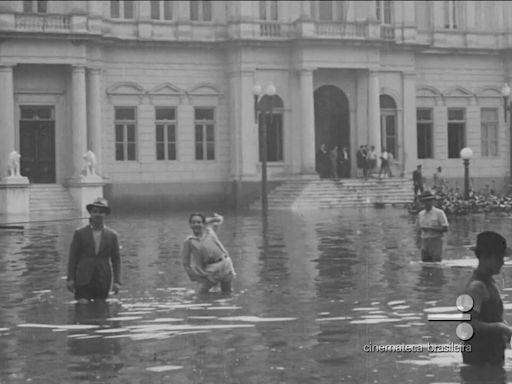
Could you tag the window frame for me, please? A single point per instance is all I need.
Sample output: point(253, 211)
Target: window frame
point(125, 123)
point(201, 6)
point(203, 142)
point(36, 6)
point(163, 6)
point(485, 126)
point(429, 131)
point(121, 10)
point(451, 124)
point(166, 142)
point(269, 10)
point(384, 11)
point(451, 14)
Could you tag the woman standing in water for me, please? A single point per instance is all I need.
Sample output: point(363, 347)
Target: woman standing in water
point(204, 257)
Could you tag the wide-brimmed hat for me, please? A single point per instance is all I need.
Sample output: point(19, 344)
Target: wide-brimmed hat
point(427, 195)
point(491, 243)
point(100, 202)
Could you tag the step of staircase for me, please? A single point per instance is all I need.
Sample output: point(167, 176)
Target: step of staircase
point(328, 194)
point(46, 198)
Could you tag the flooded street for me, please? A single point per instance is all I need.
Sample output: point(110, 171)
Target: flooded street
point(313, 292)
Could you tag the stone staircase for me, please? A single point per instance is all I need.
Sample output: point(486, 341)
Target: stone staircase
point(327, 194)
point(50, 198)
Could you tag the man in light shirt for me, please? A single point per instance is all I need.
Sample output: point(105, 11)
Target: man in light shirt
point(433, 224)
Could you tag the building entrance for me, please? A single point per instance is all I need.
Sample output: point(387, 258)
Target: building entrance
point(332, 119)
point(37, 143)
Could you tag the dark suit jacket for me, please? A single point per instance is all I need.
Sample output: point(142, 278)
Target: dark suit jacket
point(84, 262)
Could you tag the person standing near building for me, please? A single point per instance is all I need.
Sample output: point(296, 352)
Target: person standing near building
point(417, 182)
point(204, 257)
point(345, 163)
point(333, 165)
point(94, 262)
point(432, 223)
point(438, 180)
point(360, 162)
point(384, 165)
point(322, 162)
point(491, 332)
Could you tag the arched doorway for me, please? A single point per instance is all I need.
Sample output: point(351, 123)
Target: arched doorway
point(332, 118)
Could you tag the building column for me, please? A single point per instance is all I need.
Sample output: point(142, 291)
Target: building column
point(94, 117)
point(244, 129)
point(374, 111)
point(308, 121)
point(410, 144)
point(8, 141)
point(78, 118)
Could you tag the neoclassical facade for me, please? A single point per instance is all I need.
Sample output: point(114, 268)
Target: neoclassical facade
point(162, 91)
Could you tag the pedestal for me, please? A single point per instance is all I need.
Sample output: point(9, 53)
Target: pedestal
point(85, 190)
point(14, 196)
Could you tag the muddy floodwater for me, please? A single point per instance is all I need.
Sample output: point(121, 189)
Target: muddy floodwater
point(317, 294)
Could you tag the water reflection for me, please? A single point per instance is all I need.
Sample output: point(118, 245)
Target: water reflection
point(93, 357)
point(312, 290)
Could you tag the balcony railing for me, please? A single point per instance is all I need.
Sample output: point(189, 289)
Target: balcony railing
point(339, 29)
point(387, 32)
point(270, 28)
point(42, 23)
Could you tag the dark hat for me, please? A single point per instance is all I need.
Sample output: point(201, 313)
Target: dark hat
point(100, 202)
point(418, 166)
point(490, 242)
point(427, 195)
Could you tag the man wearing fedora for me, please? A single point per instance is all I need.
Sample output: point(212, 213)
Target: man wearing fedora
point(491, 332)
point(94, 257)
point(433, 223)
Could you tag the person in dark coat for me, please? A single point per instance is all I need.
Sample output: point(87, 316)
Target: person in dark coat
point(417, 182)
point(322, 162)
point(94, 262)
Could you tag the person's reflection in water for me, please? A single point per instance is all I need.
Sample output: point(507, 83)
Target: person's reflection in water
point(98, 355)
point(431, 281)
point(482, 375)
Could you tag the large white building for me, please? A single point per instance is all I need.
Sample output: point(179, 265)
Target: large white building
point(162, 91)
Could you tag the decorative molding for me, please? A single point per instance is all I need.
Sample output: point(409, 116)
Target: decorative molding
point(488, 92)
point(204, 89)
point(458, 91)
point(126, 88)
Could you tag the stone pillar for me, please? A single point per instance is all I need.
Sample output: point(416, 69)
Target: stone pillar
point(7, 142)
point(410, 144)
point(244, 129)
point(374, 111)
point(94, 117)
point(78, 118)
point(308, 121)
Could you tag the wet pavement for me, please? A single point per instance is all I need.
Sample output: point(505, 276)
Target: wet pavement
point(314, 292)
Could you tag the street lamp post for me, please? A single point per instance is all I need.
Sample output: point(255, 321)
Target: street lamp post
point(263, 106)
point(507, 106)
point(466, 154)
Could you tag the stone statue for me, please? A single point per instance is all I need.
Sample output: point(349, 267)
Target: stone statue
point(14, 164)
point(89, 168)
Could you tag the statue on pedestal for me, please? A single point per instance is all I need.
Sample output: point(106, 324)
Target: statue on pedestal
point(89, 167)
point(14, 164)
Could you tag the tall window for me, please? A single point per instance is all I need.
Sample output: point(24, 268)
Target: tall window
point(425, 135)
point(125, 124)
point(200, 10)
point(489, 121)
point(161, 9)
point(165, 124)
point(456, 131)
point(450, 14)
point(330, 10)
point(122, 9)
point(268, 10)
point(35, 6)
point(273, 123)
point(204, 121)
point(388, 125)
point(383, 11)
